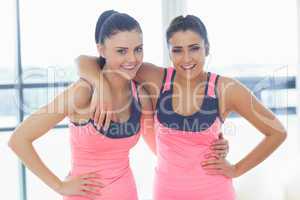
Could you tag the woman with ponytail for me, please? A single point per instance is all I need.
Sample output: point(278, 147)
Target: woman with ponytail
point(100, 167)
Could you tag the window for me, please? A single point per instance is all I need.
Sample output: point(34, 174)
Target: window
point(8, 108)
point(54, 33)
point(9, 170)
point(249, 32)
point(7, 41)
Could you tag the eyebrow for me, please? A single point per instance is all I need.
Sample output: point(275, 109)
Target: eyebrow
point(128, 48)
point(191, 45)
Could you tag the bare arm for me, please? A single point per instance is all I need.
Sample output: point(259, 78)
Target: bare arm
point(38, 124)
point(149, 76)
point(101, 103)
point(247, 105)
point(239, 99)
point(147, 121)
point(89, 69)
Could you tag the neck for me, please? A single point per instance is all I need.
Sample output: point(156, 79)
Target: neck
point(190, 83)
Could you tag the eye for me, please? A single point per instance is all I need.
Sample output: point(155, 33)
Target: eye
point(121, 51)
point(196, 48)
point(139, 49)
point(176, 50)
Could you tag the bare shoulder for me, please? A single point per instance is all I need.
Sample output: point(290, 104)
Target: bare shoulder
point(227, 85)
point(230, 91)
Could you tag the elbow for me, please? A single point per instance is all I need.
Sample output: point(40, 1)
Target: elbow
point(78, 63)
point(283, 136)
point(78, 59)
point(15, 142)
point(12, 142)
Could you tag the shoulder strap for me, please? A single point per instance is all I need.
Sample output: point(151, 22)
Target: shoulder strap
point(167, 81)
point(211, 85)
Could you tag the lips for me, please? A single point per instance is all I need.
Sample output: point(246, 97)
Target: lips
point(188, 67)
point(128, 67)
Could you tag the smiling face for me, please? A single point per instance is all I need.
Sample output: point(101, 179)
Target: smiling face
point(123, 52)
point(187, 52)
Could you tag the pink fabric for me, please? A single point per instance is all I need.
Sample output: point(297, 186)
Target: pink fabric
point(168, 79)
point(93, 152)
point(211, 85)
point(179, 174)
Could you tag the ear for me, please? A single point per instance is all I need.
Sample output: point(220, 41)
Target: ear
point(100, 49)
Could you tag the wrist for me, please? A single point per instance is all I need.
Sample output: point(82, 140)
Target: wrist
point(237, 170)
point(57, 186)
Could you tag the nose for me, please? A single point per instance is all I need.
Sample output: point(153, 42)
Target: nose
point(131, 58)
point(186, 57)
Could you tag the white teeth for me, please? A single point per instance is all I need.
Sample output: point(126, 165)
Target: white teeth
point(188, 66)
point(128, 66)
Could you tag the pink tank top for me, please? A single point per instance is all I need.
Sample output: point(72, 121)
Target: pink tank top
point(182, 142)
point(107, 153)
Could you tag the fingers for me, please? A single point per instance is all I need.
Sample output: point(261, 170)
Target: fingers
point(96, 115)
point(219, 147)
point(93, 183)
point(215, 156)
point(212, 155)
point(101, 118)
point(88, 194)
point(219, 152)
point(107, 120)
point(212, 167)
point(212, 161)
point(85, 194)
point(92, 175)
point(220, 142)
point(93, 108)
point(221, 155)
point(214, 172)
point(90, 189)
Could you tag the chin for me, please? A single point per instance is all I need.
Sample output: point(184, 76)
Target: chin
point(129, 76)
